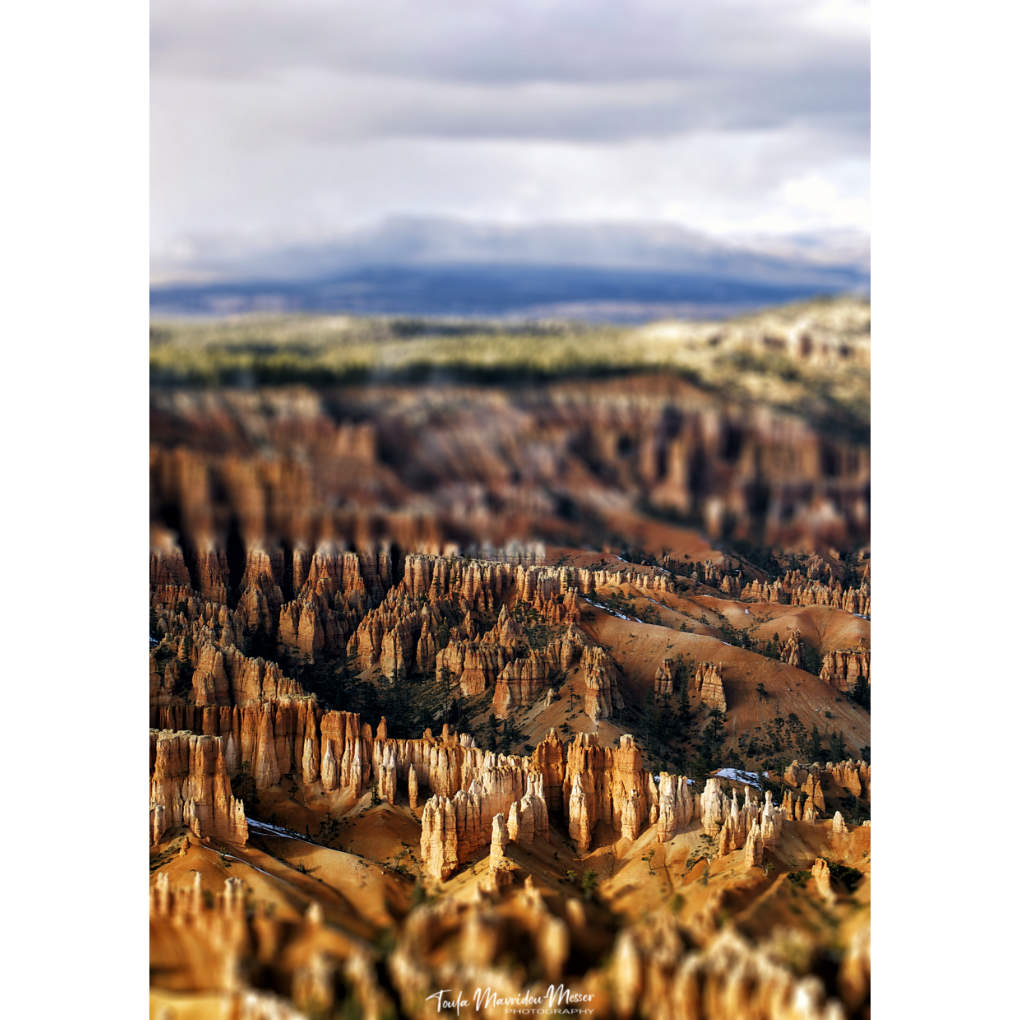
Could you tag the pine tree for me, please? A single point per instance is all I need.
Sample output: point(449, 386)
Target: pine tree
point(862, 693)
point(683, 706)
point(714, 735)
point(446, 686)
point(838, 745)
point(816, 750)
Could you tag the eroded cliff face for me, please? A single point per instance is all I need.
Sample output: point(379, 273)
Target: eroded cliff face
point(454, 828)
point(843, 780)
point(831, 581)
point(845, 667)
point(707, 686)
point(189, 786)
point(229, 717)
point(789, 592)
point(200, 748)
point(665, 679)
point(502, 568)
point(492, 809)
point(285, 459)
point(508, 633)
point(507, 630)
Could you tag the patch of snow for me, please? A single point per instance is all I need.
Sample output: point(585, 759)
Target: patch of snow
point(612, 612)
point(736, 776)
point(275, 830)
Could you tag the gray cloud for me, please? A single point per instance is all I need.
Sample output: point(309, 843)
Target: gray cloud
point(295, 120)
point(510, 42)
point(598, 112)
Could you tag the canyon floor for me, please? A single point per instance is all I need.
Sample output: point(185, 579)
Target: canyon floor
point(528, 666)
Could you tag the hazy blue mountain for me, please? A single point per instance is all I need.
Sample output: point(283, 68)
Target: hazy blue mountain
point(442, 267)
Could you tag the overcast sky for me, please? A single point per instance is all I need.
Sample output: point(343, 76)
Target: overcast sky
point(275, 121)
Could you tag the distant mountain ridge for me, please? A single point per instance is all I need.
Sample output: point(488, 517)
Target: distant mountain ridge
point(408, 266)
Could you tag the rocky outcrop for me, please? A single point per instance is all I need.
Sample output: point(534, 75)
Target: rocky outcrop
point(758, 591)
point(439, 838)
point(499, 842)
point(844, 667)
point(600, 783)
point(189, 786)
point(737, 822)
point(714, 806)
point(790, 651)
point(849, 777)
point(665, 675)
point(707, 686)
point(294, 468)
point(197, 662)
point(630, 817)
point(474, 665)
point(601, 683)
point(397, 637)
point(754, 847)
point(529, 817)
point(386, 772)
point(330, 594)
point(167, 569)
point(810, 788)
point(501, 868)
point(336, 587)
point(549, 760)
point(752, 826)
point(490, 801)
point(271, 740)
point(822, 878)
point(488, 786)
point(771, 821)
point(843, 778)
point(269, 503)
point(795, 589)
point(261, 596)
point(580, 824)
point(675, 806)
point(333, 752)
point(412, 787)
point(520, 682)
